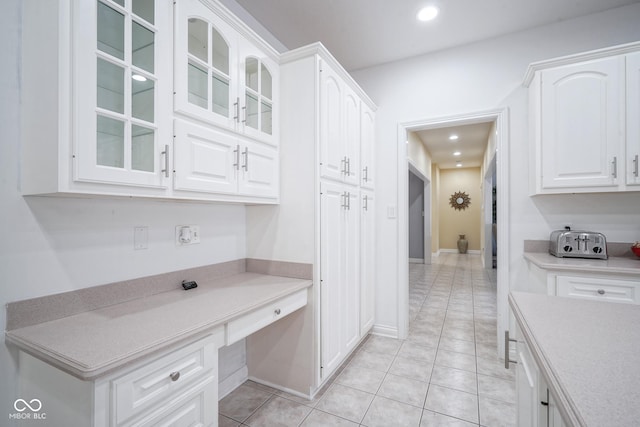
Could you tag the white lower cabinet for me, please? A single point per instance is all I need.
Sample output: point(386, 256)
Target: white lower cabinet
point(177, 388)
point(598, 289)
point(367, 260)
point(536, 405)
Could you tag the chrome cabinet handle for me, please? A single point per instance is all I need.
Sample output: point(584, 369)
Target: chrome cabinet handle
point(244, 114)
point(245, 153)
point(348, 166)
point(237, 155)
point(174, 376)
point(365, 174)
point(165, 153)
point(277, 311)
point(348, 201)
point(365, 203)
point(343, 165)
point(601, 291)
point(507, 340)
point(635, 166)
point(614, 163)
point(237, 108)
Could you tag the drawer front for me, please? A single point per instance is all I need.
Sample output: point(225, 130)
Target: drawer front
point(598, 289)
point(199, 409)
point(249, 323)
point(160, 380)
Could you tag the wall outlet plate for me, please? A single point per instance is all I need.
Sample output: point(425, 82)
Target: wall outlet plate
point(187, 235)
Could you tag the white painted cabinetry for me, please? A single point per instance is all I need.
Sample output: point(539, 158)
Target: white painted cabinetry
point(177, 388)
point(100, 120)
point(535, 404)
point(97, 120)
point(579, 106)
point(632, 166)
point(321, 218)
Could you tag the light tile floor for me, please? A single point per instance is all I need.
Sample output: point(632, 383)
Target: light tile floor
point(446, 373)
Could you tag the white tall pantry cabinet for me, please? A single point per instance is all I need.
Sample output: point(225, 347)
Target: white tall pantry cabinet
point(325, 216)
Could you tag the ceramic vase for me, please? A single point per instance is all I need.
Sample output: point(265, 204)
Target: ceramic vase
point(463, 244)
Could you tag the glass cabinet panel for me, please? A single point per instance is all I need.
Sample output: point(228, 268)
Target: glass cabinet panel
point(251, 111)
point(251, 74)
point(110, 82)
point(142, 47)
point(142, 148)
point(267, 118)
point(208, 75)
point(265, 83)
point(110, 31)
point(145, 9)
point(126, 85)
point(198, 86)
point(142, 99)
point(198, 40)
point(110, 142)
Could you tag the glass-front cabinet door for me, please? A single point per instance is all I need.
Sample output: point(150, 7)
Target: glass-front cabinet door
point(122, 92)
point(220, 76)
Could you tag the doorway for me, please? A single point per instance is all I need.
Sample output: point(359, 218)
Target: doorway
point(419, 187)
point(500, 152)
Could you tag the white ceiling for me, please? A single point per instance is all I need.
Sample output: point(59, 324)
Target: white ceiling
point(471, 142)
point(364, 33)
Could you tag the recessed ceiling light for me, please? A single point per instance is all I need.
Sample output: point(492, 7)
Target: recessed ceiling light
point(453, 137)
point(458, 165)
point(456, 153)
point(427, 13)
point(138, 77)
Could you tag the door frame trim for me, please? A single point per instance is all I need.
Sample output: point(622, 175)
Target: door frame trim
point(501, 118)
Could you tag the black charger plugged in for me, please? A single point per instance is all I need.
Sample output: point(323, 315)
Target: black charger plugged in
point(189, 285)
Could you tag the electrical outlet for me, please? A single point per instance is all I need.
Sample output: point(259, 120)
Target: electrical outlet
point(187, 235)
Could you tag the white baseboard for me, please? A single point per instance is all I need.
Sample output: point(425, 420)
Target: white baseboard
point(277, 387)
point(232, 382)
point(385, 331)
point(416, 260)
point(455, 251)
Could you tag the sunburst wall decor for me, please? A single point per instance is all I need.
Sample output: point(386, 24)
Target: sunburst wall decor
point(460, 200)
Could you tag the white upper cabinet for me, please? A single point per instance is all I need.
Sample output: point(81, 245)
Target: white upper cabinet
point(98, 121)
point(584, 122)
point(580, 120)
point(221, 77)
point(633, 119)
point(367, 147)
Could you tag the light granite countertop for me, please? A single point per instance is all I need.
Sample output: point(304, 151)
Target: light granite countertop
point(93, 343)
point(615, 265)
point(589, 353)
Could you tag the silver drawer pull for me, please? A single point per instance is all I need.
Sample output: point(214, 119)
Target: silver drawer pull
point(601, 291)
point(174, 376)
point(277, 311)
point(507, 340)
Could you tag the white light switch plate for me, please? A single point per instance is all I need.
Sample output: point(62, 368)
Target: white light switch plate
point(140, 237)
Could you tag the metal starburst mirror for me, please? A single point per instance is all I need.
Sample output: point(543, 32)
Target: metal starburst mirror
point(460, 200)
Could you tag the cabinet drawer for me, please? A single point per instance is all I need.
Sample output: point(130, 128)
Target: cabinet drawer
point(199, 409)
point(163, 378)
point(598, 289)
point(246, 325)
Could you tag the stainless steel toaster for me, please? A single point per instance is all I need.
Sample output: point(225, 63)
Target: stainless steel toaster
point(577, 244)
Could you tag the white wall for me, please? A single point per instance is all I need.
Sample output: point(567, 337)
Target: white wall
point(481, 77)
point(52, 245)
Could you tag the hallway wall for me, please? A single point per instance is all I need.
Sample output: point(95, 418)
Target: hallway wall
point(454, 222)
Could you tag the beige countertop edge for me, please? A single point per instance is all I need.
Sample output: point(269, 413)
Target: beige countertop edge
point(627, 266)
point(565, 404)
point(86, 372)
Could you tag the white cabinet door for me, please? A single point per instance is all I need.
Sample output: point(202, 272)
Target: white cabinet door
point(633, 119)
point(367, 261)
point(122, 92)
point(351, 269)
point(332, 207)
point(259, 94)
point(332, 156)
point(351, 137)
point(527, 385)
point(367, 147)
point(259, 171)
point(581, 116)
point(221, 77)
point(206, 160)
